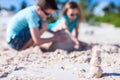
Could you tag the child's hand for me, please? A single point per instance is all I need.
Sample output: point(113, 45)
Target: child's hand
point(77, 46)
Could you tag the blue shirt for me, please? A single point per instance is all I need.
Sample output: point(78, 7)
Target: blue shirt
point(25, 18)
point(71, 25)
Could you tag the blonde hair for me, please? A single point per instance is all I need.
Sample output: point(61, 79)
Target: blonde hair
point(73, 5)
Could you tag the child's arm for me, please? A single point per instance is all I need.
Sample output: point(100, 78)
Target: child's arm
point(36, 33)
point(77, 31)
point(62, 25)
point(38, 41)
point(74, 39)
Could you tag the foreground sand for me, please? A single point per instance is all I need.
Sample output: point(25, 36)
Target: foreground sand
point(33, 64)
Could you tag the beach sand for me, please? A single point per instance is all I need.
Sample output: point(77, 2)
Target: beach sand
point(33, 64)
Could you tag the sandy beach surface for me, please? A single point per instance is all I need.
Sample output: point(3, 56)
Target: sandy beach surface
point(33, 64)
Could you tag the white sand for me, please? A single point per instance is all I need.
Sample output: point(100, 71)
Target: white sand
point(33, 64)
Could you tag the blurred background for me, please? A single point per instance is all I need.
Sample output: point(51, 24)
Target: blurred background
point(95, 11)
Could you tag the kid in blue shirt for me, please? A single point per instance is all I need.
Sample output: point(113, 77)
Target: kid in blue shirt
point(26, 27)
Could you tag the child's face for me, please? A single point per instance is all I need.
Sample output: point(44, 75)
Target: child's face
point(45, 13)
point(72, 13)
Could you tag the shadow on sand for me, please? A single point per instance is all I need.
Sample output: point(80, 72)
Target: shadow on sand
point(111, 74)
point(84, 47)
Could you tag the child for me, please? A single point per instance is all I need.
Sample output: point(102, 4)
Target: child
point(72, 16)
point(26, 27)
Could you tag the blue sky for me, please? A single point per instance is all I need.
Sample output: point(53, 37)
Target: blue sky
point(105, 2)
point(8, 3)
point(101, 4)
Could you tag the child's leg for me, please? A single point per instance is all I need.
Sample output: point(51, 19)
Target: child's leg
point(20, 40)
point(28, 44)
